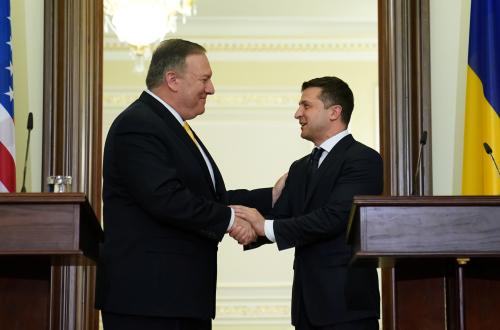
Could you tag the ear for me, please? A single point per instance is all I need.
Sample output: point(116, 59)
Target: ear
point(336, 112)
point(171, 80)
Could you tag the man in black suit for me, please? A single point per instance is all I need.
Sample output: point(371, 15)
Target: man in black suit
point(312, 214)
point(165, 204)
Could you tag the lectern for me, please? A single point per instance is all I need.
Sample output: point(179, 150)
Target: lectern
point(44, 237)
point(440, 257)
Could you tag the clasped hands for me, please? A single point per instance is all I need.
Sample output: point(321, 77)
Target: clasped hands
point(248, 224)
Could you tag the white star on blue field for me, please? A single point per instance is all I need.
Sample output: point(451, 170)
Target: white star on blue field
point(6, 69)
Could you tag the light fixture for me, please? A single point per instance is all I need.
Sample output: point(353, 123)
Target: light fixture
point(142, 23)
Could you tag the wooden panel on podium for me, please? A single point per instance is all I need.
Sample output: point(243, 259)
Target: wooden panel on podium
point(442, 254)
point(38, 233)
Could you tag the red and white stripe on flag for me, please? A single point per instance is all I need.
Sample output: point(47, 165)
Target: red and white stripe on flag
point(7, 133)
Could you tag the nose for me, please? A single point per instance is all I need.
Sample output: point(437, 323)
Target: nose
point(298, 113)
point(209, 88)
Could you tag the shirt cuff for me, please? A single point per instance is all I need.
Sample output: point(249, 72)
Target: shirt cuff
point(269, 230)
point(231, 220)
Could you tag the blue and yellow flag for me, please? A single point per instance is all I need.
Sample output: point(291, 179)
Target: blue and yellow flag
point(482, 112)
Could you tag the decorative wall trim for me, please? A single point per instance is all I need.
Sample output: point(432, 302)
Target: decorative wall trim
point(256, 44)
point(119, 97)
point(227, 105)
point(253, 304)
point(269, 49)
point(226, 98)
point(292, 39)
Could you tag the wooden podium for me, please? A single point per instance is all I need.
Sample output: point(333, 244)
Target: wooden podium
point(440, 259)
point(46, 239)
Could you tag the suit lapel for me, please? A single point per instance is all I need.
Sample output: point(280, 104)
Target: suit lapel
point(179, 131)
point(219, 182)
point(329, 168)
point(302, 179)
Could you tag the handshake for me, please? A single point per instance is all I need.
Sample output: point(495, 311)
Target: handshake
point(248, 224)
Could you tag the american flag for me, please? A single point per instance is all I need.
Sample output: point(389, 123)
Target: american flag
point(7, 146)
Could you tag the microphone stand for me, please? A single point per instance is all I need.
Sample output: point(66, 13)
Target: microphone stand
point(30, 127)
point(423, 141)
point(489, 151)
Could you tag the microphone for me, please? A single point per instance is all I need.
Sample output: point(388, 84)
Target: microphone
point(423, 138)
point(423, 141)
point(488, 150)
point(29, 127)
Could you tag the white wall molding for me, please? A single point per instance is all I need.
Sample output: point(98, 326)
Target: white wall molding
point(270, 49)
point(265, 105)
point(271, 39)
point(227, 99)
point(253, 304)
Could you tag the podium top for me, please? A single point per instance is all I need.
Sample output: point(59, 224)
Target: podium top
point(425, 226)
point(19, 198)
point(427, 200)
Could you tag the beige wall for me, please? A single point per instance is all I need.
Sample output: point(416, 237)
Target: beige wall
point(449, 44)
point(27, 48)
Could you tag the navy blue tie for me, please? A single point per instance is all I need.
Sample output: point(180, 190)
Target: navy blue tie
point(313, 163)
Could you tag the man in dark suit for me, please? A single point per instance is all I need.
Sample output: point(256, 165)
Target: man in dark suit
point(165, 204)
point(312, 214)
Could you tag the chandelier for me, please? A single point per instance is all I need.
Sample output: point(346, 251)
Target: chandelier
point(141, 23)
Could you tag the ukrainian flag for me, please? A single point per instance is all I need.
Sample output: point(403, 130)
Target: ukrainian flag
point(482, 113)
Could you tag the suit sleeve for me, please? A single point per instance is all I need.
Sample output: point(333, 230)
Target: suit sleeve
point(360, 175)
point(145, 162)
point(281, 209)
point(260, 199)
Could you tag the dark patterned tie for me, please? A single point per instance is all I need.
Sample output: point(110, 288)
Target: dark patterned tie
point(313, 164)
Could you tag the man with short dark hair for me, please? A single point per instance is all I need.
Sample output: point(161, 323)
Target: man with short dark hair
point(312, 212)
point(165, 204)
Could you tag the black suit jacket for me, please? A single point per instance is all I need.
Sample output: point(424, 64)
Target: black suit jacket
point(163, 218)
point(315, 223)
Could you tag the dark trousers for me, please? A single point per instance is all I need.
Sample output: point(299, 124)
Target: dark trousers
point(303, 323)
point(112, 321)
point(367, 324)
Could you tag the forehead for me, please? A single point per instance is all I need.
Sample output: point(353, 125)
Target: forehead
point(310, 94)
point(197, 64)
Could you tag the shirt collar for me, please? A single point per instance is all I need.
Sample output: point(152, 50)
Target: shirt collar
point(167, 106)
point(331, 142)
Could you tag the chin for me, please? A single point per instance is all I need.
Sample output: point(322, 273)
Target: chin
point(307, 137)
